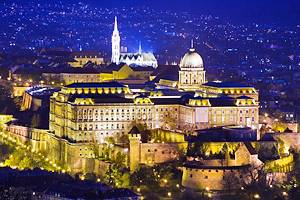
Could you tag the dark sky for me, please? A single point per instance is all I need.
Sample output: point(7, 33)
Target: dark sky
point(265, 11)
point(238, 11)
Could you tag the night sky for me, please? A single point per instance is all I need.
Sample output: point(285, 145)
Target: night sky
point(238, 11)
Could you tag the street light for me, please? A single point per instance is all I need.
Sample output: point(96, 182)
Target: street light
point(169, 194)
point(256, 196)
point(284, 194)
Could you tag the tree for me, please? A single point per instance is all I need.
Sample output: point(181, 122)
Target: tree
point(145, 175)
point(231, 181)
point(110, 140)
point(124, 139)
point(279, 127)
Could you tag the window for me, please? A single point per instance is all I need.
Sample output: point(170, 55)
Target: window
point(206, 177)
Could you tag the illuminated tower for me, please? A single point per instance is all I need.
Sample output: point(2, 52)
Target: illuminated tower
point(115, 44)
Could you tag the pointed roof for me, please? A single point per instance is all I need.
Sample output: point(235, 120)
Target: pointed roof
point(116, 24)
point(134, 130)
point(140, 48)
point(250, 148)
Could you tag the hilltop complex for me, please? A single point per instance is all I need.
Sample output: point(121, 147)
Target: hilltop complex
point(210, 127)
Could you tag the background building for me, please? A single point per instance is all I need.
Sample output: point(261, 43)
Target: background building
point(140, 58)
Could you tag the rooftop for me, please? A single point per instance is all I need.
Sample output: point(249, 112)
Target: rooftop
point(226, 85)
point(224, 134)
point(101, 98)
point(112, 84)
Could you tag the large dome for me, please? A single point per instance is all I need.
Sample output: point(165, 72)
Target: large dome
point(191, 60)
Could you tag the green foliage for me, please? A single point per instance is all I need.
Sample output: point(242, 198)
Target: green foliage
point(144, 175)
point(123, 138)
point(5, 151)
point(110, 140)
point(117, 175)
point(119, 160)
point(161, 179)
point(22, 158)
point(279, 127)
point(191, 195)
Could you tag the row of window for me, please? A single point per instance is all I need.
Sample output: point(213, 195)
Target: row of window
point(118, 111)
point(163, 152)
point(91, 127)
point(114, 118)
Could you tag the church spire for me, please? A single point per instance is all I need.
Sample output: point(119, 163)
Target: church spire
point(115, 44)
point(116, 24)
point(140, 47)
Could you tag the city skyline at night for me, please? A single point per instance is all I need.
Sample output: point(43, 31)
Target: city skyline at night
point(140, 99)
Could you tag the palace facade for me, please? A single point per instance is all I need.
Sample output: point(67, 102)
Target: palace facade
point(83, 112)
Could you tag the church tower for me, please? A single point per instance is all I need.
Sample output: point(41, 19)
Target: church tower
point(115, 44)
point(191, 73)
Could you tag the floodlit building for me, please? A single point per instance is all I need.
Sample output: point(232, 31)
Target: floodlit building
point(93, 111)
point(83, 57)
point(139, 58)
point(191, 73)
point(36, 97)
point(178, 100)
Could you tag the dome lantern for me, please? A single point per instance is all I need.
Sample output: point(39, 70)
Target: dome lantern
point(191, 60)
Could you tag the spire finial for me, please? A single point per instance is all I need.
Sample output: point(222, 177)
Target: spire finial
point(116, 23)
point(192, 44)
point(140, 47)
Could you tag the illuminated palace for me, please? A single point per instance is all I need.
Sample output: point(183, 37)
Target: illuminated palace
point(182, 115)
point(85, 113)
point(92, 111)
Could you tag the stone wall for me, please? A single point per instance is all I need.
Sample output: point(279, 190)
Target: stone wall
point(155, 153)
point(35, 137)
point(212, 179)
